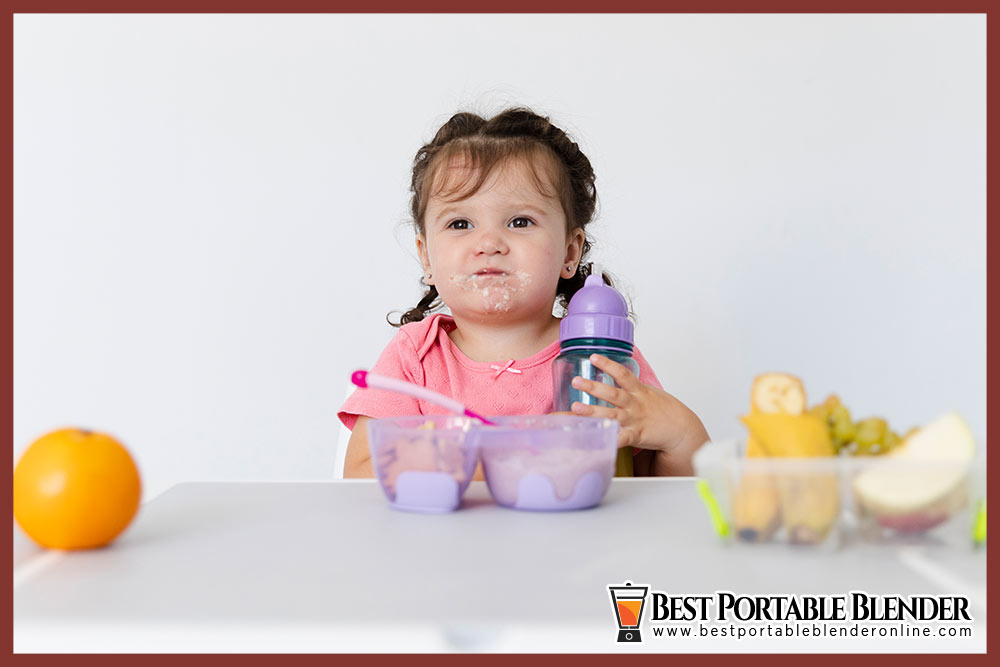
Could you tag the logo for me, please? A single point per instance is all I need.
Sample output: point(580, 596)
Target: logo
point(783, 615)
point(627, 602)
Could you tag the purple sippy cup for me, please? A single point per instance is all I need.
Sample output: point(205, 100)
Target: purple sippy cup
point(596, 321)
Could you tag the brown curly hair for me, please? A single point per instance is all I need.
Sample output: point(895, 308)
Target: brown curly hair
point(486, 144)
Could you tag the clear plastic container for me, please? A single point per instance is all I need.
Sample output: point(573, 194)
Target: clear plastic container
point(832, 502)
point(910, 502)
point(548, 462)
point(424, 463)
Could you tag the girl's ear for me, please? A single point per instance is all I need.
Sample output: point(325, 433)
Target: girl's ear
point(574, 248)
point(425, 260)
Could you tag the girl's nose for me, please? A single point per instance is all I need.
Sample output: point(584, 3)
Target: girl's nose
point(491, 244)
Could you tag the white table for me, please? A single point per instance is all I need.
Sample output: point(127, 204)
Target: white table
point(317, 567)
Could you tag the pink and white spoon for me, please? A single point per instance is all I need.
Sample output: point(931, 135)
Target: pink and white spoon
point(364, 379)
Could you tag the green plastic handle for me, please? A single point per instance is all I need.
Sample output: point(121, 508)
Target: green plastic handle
point(718, 519)
point(979, 525)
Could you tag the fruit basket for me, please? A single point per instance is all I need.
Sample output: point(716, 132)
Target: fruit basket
point(838, 501)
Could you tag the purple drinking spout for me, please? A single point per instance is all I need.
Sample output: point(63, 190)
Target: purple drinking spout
point(597, 311)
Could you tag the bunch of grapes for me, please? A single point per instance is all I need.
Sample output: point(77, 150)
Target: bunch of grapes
point(868, 437)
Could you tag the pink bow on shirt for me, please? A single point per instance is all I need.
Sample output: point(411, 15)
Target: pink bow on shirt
point(506, 367)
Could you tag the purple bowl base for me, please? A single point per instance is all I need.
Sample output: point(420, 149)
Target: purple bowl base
point(535, 492)
point(428, 492)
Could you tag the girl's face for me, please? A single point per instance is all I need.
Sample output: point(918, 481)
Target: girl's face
point(499, 253)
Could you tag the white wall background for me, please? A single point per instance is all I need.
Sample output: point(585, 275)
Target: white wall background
point(209, 210)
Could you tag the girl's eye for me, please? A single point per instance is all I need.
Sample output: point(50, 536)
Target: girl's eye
point(528, 222)
point(458, 224)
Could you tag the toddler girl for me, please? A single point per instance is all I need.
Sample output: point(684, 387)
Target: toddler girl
point(500, 208)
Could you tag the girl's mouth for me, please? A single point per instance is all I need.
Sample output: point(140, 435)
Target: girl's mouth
point(493, 290)
point(487, 274)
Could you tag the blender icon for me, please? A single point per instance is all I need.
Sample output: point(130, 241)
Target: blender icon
point(627, 601)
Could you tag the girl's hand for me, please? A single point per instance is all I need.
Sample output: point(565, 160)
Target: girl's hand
point(649, 418)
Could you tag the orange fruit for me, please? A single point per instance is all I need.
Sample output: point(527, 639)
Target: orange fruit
point(75, 489)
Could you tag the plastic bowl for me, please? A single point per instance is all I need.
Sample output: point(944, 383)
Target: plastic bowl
point(548, 462)
point(424, 463)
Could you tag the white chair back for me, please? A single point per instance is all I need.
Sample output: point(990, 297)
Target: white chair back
point(343, 437)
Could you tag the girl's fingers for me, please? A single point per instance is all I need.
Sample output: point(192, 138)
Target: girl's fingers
point(601, 391)
point(625, 378)
point(627, 435)
point(585, 410)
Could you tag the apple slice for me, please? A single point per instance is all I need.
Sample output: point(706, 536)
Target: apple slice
point(921, 482)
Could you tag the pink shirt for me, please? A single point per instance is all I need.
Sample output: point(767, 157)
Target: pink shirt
point(421, 352)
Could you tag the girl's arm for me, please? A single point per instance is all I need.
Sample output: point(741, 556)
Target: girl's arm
point(680, 459)
point(358, 462)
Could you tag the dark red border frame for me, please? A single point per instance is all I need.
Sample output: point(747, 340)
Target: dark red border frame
point(509, 6)
point(505, 7)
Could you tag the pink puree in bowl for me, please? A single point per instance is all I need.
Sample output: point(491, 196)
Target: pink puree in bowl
point(548, 462)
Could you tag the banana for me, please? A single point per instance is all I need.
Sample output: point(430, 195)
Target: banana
point(756, 507)
point(756, 502)
point(778, 392)
point(805, 505)
point(754, 450)
point(794, 436)
point(810, 504)
point(810, 501)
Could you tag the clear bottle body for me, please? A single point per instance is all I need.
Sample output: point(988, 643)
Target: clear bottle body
point(576, 362)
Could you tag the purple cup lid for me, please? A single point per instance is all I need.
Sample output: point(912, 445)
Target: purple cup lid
point(597, 311)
